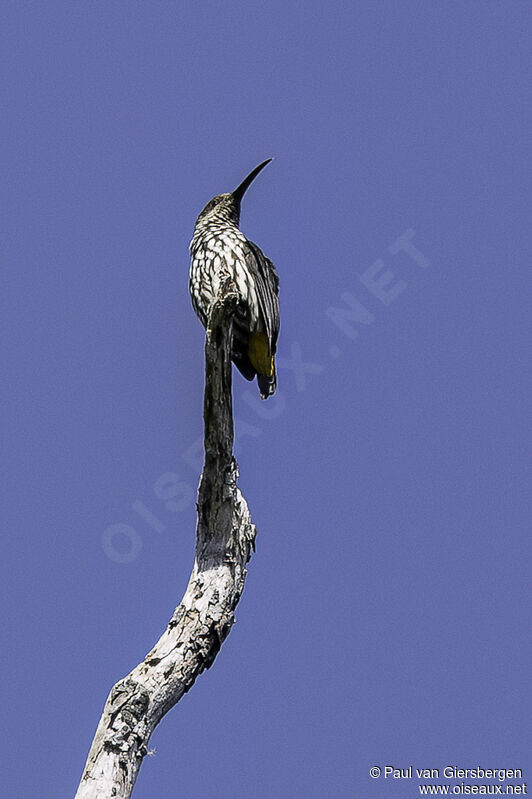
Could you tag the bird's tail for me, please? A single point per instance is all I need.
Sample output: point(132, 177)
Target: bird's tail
point(263, 361)
point(267, 384)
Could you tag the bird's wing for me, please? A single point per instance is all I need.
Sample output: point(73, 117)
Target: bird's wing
point(267, 286)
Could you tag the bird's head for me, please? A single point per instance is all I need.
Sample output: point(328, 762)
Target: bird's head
point(222, 207)
point(226, 207)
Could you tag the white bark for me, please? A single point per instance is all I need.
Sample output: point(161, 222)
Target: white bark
point(203, 619)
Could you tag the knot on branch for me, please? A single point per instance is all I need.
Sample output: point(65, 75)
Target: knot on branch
point(223, 307)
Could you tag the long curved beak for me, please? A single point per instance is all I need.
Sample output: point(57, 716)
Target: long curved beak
point(240, 190)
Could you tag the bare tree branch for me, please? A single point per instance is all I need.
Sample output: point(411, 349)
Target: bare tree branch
point(203, 619)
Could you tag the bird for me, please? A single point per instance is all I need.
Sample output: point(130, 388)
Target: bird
point(218, 251)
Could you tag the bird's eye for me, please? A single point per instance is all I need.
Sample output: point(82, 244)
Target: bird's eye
point(211, 205)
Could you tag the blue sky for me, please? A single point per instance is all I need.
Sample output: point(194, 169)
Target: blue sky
point(386, 618)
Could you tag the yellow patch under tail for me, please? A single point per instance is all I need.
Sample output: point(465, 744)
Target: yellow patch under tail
point(259, 354)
